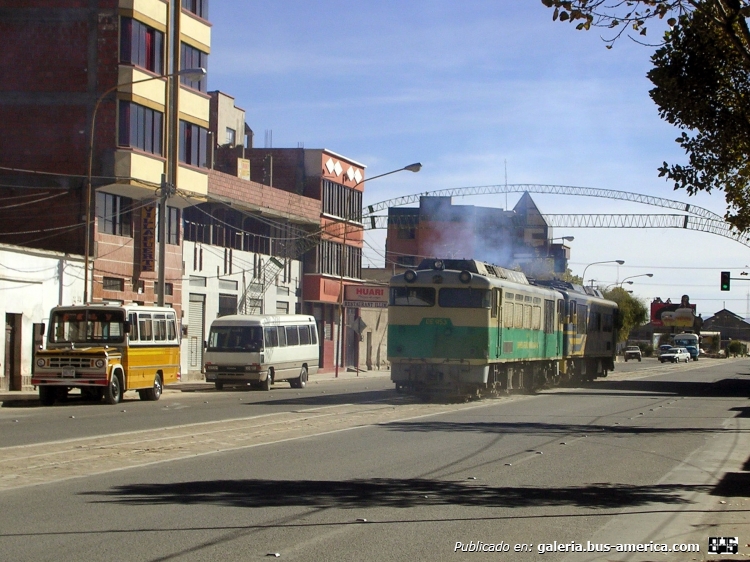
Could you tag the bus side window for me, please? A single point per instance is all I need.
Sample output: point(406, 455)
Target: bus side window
point(282, 336)
point(133, 326)
point(314, 334)
point(171, 328)
point(145, 327)
point(292, 336)
point(160, 327)
point(304, 335)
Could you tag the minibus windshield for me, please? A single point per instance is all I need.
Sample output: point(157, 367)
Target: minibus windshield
point(235, 338)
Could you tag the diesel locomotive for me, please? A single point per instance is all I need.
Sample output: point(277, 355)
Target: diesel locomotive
point(468, 328)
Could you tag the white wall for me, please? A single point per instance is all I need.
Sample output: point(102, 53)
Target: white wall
point(212, 273)
point(31, 283)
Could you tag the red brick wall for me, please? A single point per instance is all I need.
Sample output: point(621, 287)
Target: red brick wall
point(251, 192)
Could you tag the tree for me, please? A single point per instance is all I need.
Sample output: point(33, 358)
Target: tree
point(701, 76)
point(633, 312)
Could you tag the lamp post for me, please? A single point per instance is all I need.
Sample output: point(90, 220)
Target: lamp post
point(565, 238)
point(617, 284)
point(410, 168)
point(634, 276)
point(619, 262)
point(196, 74)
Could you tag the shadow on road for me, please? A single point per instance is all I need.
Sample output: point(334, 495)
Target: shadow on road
point(720, 388)
point(540, 428)
point(385, 492)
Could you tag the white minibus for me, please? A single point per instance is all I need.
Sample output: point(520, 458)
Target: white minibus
point(261, 349)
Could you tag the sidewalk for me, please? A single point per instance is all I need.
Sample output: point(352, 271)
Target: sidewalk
point(32, 396)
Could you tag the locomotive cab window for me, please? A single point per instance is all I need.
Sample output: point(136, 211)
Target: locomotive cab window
point(412, 296)
point(464, 298)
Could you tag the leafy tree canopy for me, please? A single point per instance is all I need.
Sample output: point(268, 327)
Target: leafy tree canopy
point(701, 78)
point(633, 312)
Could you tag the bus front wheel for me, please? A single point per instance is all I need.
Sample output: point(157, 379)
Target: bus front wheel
point(113, 393)
point(47, 395)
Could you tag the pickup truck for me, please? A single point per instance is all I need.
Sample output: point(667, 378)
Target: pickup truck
point(675, 355)
point(632, 352)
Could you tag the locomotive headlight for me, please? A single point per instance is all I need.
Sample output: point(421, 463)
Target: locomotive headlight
point(100, 363)
point(464, 276)
point(438, 264)
point(40, 362)
point(410, 276)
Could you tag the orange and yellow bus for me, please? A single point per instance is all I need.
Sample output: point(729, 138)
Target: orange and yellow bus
point(105, 350)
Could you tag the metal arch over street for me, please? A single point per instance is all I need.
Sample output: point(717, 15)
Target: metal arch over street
point(687, 222)
point(548, 189)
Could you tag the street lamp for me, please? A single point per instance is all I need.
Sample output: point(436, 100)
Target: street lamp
point(617, 284)
point(634, 276)
point(193, 73)
point(619, 262)
point(410, 168)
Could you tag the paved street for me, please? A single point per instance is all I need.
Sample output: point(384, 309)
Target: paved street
point(350, 470)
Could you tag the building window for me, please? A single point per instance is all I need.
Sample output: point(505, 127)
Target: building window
point(141, 45)
point(140, 127)
point(331, 260)
point(113, 284)
point(190, 57)
point(342, 201)
point(113, 214)
point(168, 288)
point(193, 143)
point(227, 304)
point(173, 226)
point(231, 136)
point(197, 7)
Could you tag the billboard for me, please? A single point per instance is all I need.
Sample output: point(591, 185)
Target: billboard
point(366, 296)
point(679, 314)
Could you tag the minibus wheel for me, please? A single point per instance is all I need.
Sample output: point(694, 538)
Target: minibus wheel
point(266, 384)
point(219, 385)
point(301, 381)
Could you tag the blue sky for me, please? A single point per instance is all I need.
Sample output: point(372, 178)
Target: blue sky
point(468, 88)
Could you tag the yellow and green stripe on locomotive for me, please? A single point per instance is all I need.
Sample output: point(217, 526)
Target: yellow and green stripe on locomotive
point(466, 327)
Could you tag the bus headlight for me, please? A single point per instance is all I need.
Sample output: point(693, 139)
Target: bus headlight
point(464, 276)
point(410, 276)
point(100, 363)
point(40, 362)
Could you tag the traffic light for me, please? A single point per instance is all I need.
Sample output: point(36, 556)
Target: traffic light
point(724, 280)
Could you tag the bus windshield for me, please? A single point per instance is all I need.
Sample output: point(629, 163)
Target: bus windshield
point(235, 338)
point(683, 340)
point(87, 326)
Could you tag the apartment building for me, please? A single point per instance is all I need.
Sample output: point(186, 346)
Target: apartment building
point(84, 114)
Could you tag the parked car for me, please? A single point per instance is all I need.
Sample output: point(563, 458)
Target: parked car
point(675, 355)
point(632, 352)
point(693, 351)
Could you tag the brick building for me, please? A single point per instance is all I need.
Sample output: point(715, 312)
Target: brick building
point(293, 233)
point(73, 64)
point(509, 238)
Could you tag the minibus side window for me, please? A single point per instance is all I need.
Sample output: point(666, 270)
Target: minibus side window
point(145, 327)
point(282, 336)
point(304, 335)
point(292, 336)
point(272, 338)
point(314, 334)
